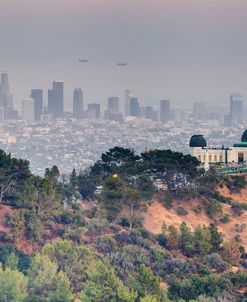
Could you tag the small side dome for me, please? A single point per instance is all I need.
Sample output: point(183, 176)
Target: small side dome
point(244, 137)
point(198, 141)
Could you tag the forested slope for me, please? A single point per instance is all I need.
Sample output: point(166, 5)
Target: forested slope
point(133, 228)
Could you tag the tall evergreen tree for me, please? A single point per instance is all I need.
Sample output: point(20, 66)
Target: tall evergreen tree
point(216, 238)
point(186, 240)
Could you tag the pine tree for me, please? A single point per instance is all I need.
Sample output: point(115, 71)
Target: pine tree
point(216, 238)
point(202, 240)
point(73, 182)
point(145, 282)
point(186, 240)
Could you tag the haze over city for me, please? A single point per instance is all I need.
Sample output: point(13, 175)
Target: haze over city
point(185, 51)
point(79, 77)
point(123, 150)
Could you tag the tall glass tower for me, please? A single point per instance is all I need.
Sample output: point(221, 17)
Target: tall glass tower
point(78, 103)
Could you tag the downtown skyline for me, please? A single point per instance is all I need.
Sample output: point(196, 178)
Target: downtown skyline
point(182, 51)
point(34, 108)
point(151, 101)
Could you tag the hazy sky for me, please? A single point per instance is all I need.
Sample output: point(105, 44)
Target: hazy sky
point(183, 50)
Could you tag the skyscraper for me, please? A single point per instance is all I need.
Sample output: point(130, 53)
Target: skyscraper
point(113, 104)
point(113, 113)
point(134, 107)
point(128, 95)
point(93, 110)
point(28, 109)
point(1, 116)
point(164, 111)
point(37, 95)
point(50, 101)
point(78, 103)
point(4, 87)
point(6, 99)
point(236, 108)
point(150, 113)
point(55, 99)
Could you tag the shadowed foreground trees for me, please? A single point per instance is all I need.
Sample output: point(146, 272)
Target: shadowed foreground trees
point(46, 283)
point(104, 285)
point(72, 259)
point(13, 286)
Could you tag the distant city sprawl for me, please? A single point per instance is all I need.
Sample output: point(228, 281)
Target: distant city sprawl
point(46, 134)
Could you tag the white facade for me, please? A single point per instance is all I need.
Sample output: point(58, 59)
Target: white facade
point(218, 155)
point(235, 155)
point(211, 155)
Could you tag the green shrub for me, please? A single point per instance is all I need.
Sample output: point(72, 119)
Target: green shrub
point(235, 183)
point(105, 244)
point(192, 288)
point(124, 221)
point(216, 195)
point(98, 226)
point(239, 182)
point(161, 239)
point(75, 207)
point(238, 209)
point(226, 218)
point(3, 236)
point(198, 209)
point(168, 202)
point(215, 261)
point(244, 206)
point(181, 211)
point(213, 208)
point(238, 280)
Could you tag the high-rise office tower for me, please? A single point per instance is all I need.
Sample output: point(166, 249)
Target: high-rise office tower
point(6, 99)
point(78, 103)
point(50, 101)
point(37, 95)
point(236, 108)
point(4, 87)
point(134, 107)
point(93, 110)
point(113, 111)
point(1, 116)
point(199, 110)
point(9, 102)
point(55, 99)
point(113, 104)
point(164, 111)
point(28, 109)
point(150, 113)
point(128, 95)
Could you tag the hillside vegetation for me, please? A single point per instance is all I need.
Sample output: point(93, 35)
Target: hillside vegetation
point(133, 228)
